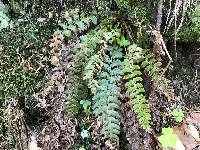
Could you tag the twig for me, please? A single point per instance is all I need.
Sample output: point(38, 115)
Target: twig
point(166, 51)
point(185, 6)
point(169, 12)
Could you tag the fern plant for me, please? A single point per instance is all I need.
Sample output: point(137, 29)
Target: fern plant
point(123, 4)
point(106, 104)
point(134, 85)
point(76, 90)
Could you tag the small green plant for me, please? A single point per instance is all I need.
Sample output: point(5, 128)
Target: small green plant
point(123, 42)
point(123, 4)
point(168, 139)
point(190, 30)
point(86, 106)
point(178, 115)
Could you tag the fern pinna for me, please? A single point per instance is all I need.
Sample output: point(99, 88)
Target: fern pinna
point(134, 85)
point(106, 103)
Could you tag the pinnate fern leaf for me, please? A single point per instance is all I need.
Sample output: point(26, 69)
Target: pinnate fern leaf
point(134, 84)
point(106, 103)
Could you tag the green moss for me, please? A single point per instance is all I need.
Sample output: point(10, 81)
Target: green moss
point(23, 57)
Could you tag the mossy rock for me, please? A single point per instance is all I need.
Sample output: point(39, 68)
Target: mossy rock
point(24, 59)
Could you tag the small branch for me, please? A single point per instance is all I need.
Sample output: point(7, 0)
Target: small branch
point(169, 12)
point(185, 6)
point(165, 69)
point(170, 59)
point(165, 49)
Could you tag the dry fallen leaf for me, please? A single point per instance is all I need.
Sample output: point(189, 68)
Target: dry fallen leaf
point(110, 145)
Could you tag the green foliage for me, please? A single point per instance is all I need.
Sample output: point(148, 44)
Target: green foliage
point(168, 139)
point(134, 85)
point(106, 104)
point(150, 65)
point(94, 79)
point(89, 45)
point(112, 35)
point(123, 4)
point(153, 68)
point(178, 115)
point(190, 31)
point(73, 24)
point(86, 106)
point(76, 89)
point(123, 42)
point(100, 54)
point(92, 68)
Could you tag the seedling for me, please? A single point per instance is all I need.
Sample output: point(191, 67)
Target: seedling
point(178, 115)
point(86, 106)
point(168, 139)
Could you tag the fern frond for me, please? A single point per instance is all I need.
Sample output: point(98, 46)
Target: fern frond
point(88, 45)
point(152, 68)
point(71, 101)
point(92, 68)
point(82, 54)
point(76, 90)
point(134, 85)
point(106, 103)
